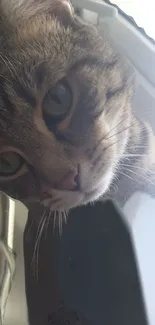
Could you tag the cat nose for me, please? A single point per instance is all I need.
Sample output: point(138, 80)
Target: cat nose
point(70, 182)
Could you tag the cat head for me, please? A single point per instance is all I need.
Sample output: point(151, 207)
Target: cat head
point(64, 105)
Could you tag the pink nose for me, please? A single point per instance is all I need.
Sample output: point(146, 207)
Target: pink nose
point(70, 182)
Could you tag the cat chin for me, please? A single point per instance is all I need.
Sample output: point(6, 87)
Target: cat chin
point(66, 200)
point(63, 200)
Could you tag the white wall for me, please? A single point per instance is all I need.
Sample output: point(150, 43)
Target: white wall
point(16, 310)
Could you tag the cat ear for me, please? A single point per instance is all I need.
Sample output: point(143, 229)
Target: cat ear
point(18, 10)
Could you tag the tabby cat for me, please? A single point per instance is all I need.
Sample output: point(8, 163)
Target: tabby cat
point(68, 135)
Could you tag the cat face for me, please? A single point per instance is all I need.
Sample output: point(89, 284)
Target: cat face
point(64, 106)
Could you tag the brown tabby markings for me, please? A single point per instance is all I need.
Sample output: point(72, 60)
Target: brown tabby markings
point(42, 43)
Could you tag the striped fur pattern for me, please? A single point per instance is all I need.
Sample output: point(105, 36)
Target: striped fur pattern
point(42, 43)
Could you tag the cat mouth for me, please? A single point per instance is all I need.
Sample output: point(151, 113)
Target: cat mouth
point(70, 182)
point(65, 200)
point(62, 197)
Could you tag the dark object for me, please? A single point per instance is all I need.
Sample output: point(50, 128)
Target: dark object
point(89, 276)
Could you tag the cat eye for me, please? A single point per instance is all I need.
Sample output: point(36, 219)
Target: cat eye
point(57, 103)
point(10, 163)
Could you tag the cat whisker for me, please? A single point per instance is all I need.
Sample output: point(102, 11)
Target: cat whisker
point(40, 222)
point(138, 147)
point(130, 155)
point(38, 246)
point(37, 237)
point(91, 152)
point(135, 167)
point(65, 216)
point(119, 132)
point(126, 175)
point(104, 139)
point(54, 221)
point(60, 223)
point(58, 218)
point(94, 161)
point(139, 176)
point(47, 223)
point(118, 124)
point(28, 230)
